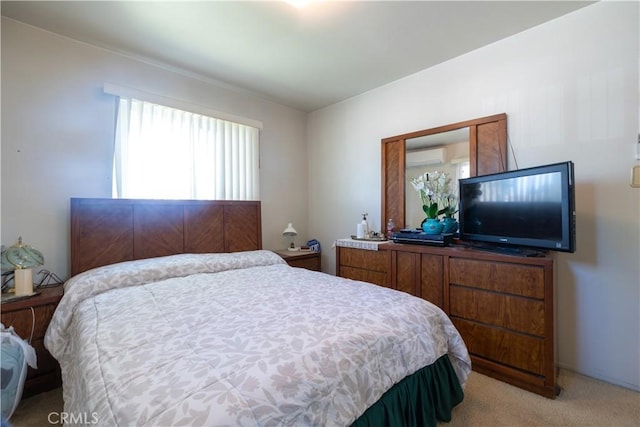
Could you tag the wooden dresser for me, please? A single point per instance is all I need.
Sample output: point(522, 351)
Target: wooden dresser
point(501, 304)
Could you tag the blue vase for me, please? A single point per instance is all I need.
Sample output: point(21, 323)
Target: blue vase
point(432, 226)
point(450, 225)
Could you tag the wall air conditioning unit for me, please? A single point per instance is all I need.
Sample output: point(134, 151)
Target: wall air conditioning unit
point(433, 156)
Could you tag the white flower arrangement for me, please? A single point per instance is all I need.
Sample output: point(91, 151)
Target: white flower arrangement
point(436, 194)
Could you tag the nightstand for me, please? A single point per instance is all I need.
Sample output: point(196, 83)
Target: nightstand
point(308, 260)
point(32, 316)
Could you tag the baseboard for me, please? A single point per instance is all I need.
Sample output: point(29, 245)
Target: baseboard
point(600, 377)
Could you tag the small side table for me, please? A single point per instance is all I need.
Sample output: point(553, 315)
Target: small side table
point(302, 259)
point(30, 318)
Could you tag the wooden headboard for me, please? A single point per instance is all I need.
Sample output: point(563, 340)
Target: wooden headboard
point(106, 231)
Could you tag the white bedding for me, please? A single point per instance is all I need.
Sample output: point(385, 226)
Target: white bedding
point(237, 339)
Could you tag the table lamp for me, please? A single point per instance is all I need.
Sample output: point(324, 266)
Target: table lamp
point(290, 233)
point(22, 258)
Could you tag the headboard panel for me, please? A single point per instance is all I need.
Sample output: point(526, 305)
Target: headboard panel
point(106, 231)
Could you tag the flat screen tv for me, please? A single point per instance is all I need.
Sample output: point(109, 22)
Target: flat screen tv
point(520, 210)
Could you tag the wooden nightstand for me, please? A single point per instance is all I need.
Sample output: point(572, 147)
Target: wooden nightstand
point(308, 260)
point(33, 315)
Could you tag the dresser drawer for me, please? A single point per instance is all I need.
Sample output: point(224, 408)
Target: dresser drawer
point(507, 311)
point(517, 279)
point(374, 277)
point(499, 345)
point(364, 259)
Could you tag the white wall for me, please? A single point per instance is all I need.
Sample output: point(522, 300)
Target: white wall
point(57, 136)
point(570, 90)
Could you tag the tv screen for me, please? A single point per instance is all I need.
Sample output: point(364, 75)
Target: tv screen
point(527, 208)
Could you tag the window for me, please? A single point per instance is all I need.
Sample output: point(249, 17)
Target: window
point(167, 153)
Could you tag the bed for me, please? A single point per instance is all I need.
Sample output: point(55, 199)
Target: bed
point(242, 338)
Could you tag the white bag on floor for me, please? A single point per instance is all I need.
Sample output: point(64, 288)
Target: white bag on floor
point(16, 354)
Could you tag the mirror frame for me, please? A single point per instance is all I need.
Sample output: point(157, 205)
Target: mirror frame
point(487, 154)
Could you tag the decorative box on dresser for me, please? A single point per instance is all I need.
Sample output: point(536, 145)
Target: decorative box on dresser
point(30, 318)
point(501, 304)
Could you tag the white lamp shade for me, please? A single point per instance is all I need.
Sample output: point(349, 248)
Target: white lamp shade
point(290, 231)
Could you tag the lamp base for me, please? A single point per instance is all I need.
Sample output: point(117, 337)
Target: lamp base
point(293, 249)
point(23, 279)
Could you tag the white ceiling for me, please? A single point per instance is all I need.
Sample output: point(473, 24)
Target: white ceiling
point(306, 58)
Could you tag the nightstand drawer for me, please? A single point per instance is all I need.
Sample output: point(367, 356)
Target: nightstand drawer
point(302, 259)
point(308, 263)
point(24, 320)
point(30, 319)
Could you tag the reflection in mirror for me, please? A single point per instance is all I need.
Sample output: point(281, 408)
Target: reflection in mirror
point(444, 152)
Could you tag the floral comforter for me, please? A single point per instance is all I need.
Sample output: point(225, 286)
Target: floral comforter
point(237, 339)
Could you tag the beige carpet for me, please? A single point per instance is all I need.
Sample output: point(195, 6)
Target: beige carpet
point(582, 402)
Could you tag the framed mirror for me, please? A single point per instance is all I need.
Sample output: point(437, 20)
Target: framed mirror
point(486, 144)
point(444, 152)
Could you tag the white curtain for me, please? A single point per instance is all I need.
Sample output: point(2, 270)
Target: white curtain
point(165, 153)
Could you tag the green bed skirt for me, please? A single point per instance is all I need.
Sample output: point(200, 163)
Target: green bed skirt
point(420, 399)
